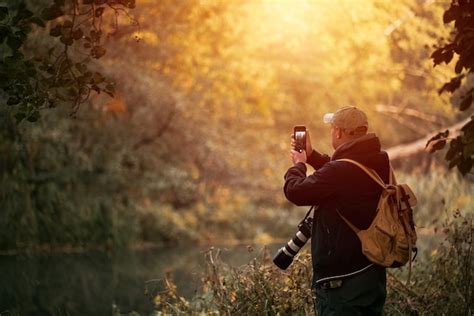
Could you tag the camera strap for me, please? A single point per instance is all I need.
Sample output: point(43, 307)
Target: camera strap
point(310, 213)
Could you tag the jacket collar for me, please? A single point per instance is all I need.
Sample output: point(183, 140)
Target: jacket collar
point(369, 143)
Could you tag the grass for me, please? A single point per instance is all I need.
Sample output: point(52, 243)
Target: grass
point(442, 284)
point(442, 278)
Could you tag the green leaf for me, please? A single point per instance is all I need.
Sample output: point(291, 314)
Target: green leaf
point(13, 100)
point(20, 116)
point(56, 31)
point(67, 40)
point(4, 32)
point(456, 160)
point(51, 13)
point(98, 78)
point(437, 145)
point(465, 166)
point(469, 126)
point(3, 13)
point(14, 42)
point(81, 67)
point(453, 13)
point(438, 136)
point(468, 150)
point(459, 66)
point(441, 54)
point(95, 35)
point(96, 88)
point(448, 56)
point(68, 24)
point(452, 85)
point(21, 35)
point(98, 51)
point(38, 21)
point(23, 14)
point(466, 103)
point(34, 116)
point(451, 153)
point(77, 34)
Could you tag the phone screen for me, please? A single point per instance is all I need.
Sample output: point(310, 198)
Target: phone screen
point(300, 138)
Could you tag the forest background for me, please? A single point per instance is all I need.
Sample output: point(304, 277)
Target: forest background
point(177, 130)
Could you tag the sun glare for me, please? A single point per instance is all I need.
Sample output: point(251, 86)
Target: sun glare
point(286, 24)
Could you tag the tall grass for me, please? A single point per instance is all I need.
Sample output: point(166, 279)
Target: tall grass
point(442, 284)
point(439, 192)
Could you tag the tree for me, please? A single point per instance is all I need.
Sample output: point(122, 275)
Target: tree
point(461, 148)
point(56, 70)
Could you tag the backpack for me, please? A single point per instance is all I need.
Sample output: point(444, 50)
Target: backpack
point(391, 238)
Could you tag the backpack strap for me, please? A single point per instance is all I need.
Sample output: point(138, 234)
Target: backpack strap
point(370, 172)
point(392, 179)
point(374, 175)
point(352, 226)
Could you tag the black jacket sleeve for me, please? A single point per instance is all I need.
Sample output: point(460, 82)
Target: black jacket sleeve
point(317, 160)
point(311, 190)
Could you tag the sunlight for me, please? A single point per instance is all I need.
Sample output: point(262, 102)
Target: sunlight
point(289, 16)
point(282, 20)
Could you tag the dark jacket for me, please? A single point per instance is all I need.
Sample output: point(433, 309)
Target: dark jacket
point(335, 248)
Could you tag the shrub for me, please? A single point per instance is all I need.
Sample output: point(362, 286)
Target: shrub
point(442, 284)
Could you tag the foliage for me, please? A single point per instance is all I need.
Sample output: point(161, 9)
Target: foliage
point(461, 148)
point(192, 146)
point(257, 288)
point(441, 284)
point(33, 78)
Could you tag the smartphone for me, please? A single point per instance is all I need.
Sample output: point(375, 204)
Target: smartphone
point(299, 132)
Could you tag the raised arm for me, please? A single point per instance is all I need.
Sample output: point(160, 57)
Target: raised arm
point(309, 190)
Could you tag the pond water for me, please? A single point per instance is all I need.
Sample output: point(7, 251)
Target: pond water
point(92, 283)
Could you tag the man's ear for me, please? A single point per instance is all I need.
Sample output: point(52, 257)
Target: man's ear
point(339, 133)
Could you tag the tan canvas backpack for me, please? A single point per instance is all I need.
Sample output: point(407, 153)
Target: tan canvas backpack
point(391, 238)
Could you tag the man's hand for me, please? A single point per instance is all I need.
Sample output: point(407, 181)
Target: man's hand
point(297, 156)
point(309, 148)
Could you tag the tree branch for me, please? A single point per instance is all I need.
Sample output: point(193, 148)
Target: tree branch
point(408, 111)
point(418, 146)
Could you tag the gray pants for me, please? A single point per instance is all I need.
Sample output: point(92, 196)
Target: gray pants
point(362, 294)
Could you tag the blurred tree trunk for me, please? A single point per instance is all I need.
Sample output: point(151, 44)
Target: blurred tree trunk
point(419, 147)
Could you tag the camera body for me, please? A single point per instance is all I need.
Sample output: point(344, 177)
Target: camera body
point(299, 133)
point(285, 255)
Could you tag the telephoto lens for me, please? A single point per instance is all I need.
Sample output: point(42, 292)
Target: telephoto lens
point(284, 256)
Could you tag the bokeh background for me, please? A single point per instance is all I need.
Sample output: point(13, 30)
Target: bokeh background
point(191, 150)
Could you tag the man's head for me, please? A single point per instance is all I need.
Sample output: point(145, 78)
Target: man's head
point(347, 123)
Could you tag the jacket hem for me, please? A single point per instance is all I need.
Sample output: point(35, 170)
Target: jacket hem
point(344, 275)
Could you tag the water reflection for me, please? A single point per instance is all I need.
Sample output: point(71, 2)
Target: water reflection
point(90, 284)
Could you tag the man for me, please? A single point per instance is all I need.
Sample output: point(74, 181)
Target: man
point(344, 280)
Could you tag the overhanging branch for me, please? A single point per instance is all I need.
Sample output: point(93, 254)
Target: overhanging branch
point(418, 146)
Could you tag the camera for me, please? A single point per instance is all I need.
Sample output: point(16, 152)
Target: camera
point(284, 256)
point(299, 133)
